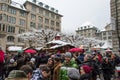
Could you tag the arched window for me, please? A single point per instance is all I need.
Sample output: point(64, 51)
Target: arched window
point(10, 39)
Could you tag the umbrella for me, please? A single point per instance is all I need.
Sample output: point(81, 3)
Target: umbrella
point(30, 51)
point(76, 50)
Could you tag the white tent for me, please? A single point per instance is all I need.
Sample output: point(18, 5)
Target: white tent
point(106, 45)
point(14, 48)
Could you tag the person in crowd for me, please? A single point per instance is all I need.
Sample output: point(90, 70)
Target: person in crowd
point(17, 75)
point(73, 74)
point(85, 72)
point(2, 59)
point(12, 65)
point(69, 62)
point(107, 68)
point(95, 65)
point(57, 66)
point(42, 73)
point(28, 70)
point(50, 64)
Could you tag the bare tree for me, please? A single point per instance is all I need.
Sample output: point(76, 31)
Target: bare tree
point(43, 36)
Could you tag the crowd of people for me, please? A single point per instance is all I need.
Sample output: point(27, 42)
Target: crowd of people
point(65, 66)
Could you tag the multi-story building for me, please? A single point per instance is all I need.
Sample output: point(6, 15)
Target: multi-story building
point(16, 18)
point(115, 14)
point(106, 34)
point(87, 30)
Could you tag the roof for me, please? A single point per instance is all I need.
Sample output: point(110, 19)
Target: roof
point(87, 25)
point(43, 5)
point(17, 5)
point(59, 42)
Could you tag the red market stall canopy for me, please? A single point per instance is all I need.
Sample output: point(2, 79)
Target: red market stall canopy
point(31, 51)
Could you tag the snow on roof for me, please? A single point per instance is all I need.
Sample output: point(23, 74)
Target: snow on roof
point(14, 48)
point(87, 24)
point(56, 46)
point(41, 4)
point(17, 5)
point(58, 42)
point(38, 48)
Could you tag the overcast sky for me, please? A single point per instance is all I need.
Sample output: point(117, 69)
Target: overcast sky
point(77, 12)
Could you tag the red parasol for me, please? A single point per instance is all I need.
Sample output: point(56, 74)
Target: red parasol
point(30, 51)
point(73, 50)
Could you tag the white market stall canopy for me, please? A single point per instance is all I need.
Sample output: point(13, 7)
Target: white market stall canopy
point(14, 48)
point(106, 45)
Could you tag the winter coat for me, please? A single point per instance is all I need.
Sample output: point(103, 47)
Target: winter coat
point(85, 76)
point(56, 71)
point(64, 69)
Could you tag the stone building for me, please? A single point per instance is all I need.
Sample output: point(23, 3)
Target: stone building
point(115, 15)
point(87, 30)
point(16, 18)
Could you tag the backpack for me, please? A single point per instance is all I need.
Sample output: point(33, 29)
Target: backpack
point(1, 56)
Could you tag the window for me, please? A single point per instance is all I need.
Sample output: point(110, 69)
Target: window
point(22, 13)
point(11, 29)
point(57, 24)
point(5, 17)
point(33, 8)
point(3, 7)
point(33, 17)
point(104, 38)
point(41, 11)
point(52, 23)
point(11, 19)
point(46, 27)
point(22, 22)
point(12, 11)
point(109, 33)
point(57, 29)
point(0, 17)
point(57, 17)
point(47, 21)
point(52, 16)
point(104, 33)
point(0, 27)
point(21, 30)
point(3, 28)
point(47, 13)
point(10, 39)
point(32, 24)
point(40, 26)
point(40, 19)
point(109, 37)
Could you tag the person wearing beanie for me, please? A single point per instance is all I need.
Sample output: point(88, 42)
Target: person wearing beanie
point(69, 62)
point(73, 74)
point(85, 72)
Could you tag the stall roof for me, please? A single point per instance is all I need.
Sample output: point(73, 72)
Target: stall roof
point(14, 48)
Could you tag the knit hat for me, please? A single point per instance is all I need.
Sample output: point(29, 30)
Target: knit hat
point(86, 68)
point(73, 73)
point(68, 54)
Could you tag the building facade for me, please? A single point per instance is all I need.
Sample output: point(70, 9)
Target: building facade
point(16, 18)
point(115, 14)
point(106, 34)
point(87, 30)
